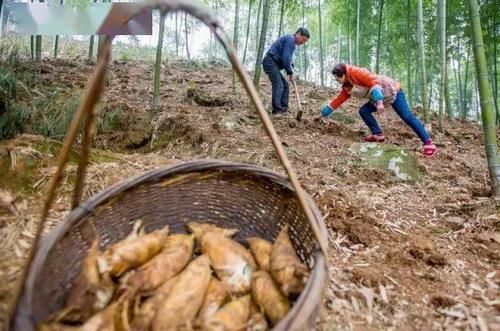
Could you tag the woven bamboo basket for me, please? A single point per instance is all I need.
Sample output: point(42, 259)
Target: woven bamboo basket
point(254, 199)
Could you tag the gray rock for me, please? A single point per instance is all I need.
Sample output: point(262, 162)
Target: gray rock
point(389, 157)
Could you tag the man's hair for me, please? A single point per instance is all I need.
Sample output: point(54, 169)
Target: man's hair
point(304, 32)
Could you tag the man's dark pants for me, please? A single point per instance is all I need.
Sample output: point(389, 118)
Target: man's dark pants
point(279, 85)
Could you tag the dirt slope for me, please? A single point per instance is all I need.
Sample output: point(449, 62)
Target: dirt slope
point(403, 256)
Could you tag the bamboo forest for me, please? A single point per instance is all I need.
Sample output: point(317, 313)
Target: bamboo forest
point(249, 165)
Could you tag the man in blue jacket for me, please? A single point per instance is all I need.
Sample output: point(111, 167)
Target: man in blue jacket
point(278, 57)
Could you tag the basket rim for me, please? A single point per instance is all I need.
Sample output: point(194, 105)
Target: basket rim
point(315, 282)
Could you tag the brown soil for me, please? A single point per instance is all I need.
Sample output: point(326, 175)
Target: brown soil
point(402, 256)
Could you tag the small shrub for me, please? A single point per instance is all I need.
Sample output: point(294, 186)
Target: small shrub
point(7, 87)
point(12, 121)
point(52, 115)
point(124, 57)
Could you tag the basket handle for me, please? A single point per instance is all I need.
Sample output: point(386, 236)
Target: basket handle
point(278, 146)
point(86, 107)
point(91, 96)
point(205, 15)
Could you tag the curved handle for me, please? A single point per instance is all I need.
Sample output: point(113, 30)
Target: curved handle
point(92, 94)
point(88, 101)
point(205, 15)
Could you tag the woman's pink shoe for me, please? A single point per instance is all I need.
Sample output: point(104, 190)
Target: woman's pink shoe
point(429, 150)
point(374, 138)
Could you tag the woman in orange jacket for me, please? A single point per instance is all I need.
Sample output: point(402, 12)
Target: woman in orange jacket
point(381, 91)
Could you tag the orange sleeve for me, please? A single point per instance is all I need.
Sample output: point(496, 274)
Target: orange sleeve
point(363, 77)
point(339, 99)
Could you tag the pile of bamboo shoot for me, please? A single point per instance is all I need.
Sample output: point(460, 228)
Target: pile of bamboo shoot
point(199, 281)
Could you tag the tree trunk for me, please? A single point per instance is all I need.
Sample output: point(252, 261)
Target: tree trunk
point(461, 98)
point(91, 45)
point(235, 37)
point(494, 63)
point(417, 96)
point(391, 58)
point(32, 47)
point(422, 60)
point(476, 101)
point(491, 64)
point(321, 72)
point(465, 104)
point(2, 25)
point(434, 40)
point(257, 27)
point(159, 48)
point(32, 44)
point(408, 54)
point(495, 57)
point(349, 46)
point(304, 48)
point(458, 97)
point(305, 60)
point(38, 44)
point(262, 42)
point(282, 11)
point(186, 35)
point(55, 45)
point(356, 59)
point(380, 12)
point(100, 38)
point(176, 35)
point(210, 46)
point(339, 41)
point(449, 110)
point(91, 48)
point(442, 49)
point(487, 109)
point(56, 40)
point(248, 30)
point(38, 48)
point(430, 98)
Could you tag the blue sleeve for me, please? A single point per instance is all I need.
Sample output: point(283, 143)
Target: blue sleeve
point(288, 49)
point(377, 95)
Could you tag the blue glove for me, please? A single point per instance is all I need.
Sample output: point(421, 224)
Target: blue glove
point(377, 95)
point(326, 111)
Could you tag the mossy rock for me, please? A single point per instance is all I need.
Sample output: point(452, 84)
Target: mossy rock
point(388, 157)
point(22, 160)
